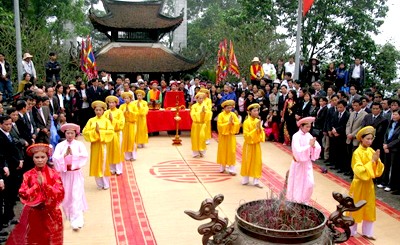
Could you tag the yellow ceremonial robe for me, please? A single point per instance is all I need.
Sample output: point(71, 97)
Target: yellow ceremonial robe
point(114, 155)
point(142, 136)
point(251, 157)
point(208, 102)
point(198, 130)
point(130, 128)
point(227, 139)
point(98, 144)
point(362, 186)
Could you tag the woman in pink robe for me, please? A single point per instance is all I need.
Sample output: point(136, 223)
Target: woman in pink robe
point(69, 157)
point(305, 149)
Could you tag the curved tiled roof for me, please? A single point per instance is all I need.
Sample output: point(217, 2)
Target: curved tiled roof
point(134, 16)
point(143, 58)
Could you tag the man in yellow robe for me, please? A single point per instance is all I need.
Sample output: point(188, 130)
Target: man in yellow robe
point(228, 126)
point(116, 117)
point(129, 132)
point(366, 166)
point(208, 102)
point(200, 114)
point(253, 134)
point(142, 136)
point(99, 131)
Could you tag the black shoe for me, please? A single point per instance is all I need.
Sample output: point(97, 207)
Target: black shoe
point(333, 167)
point(348, 173)
point(14, 222)
point(340, 171)
point(2, 239)
point(5, 225)
point(4, 233)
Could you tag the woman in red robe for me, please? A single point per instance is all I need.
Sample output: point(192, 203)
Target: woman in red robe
point(42, 191)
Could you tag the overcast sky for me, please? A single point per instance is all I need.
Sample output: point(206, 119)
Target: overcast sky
point(389, 29)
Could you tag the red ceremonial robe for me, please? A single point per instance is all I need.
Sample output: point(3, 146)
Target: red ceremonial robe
point(45, 224)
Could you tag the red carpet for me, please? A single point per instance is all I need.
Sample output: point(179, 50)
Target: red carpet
point(131, 224)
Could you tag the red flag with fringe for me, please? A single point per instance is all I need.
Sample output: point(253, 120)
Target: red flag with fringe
point(222, 62)
point(90, 60)
point(83, 57)
point(233, 64)
point(306, 6)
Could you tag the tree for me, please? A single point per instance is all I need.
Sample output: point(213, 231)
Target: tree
point(331, 29)
point(43, 29)
point(386, 65)
point(250, 38)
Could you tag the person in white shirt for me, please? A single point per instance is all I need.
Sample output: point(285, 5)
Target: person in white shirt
point(290, 66)
point(269, 70)
point(196, 83)
point(357, 74)
point(28, 66)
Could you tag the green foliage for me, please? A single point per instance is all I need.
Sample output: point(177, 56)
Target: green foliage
point(386, 63)
point(45, 27)
point(250, 38)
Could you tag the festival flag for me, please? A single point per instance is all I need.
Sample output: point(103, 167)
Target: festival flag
point(83, 57)
point(222, 62)
point(233, 64)
point(306, 6)
point(90, 60)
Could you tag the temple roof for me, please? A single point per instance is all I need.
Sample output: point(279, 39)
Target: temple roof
point(134, 16)
point(144, 58)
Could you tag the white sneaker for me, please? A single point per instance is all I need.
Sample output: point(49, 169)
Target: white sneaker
point(221, 169)
point(380, 186)
point(387, 189)
point(207, 142)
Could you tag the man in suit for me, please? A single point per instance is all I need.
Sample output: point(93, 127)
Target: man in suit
point(320, 122)
point(357, 74)
point(386, 113)
point(12, 162)
point(95, 92)
point(29, 119)
point(376, 120)
point(41, 115)
point(353, 95)
point(281, 104)
point(364, 104)
point(21, 123)
point(391, 146)
point(337, 127)
point(328, 127)
point(54, 103)
point(318, 92)
point(352, 127)
point(303, 72)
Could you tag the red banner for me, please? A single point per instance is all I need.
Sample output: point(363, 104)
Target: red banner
point(233, 64)
point(306, 6)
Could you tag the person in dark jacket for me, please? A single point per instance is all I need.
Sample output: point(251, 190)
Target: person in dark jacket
point(313, 71)
point(5, 78)
point(53, 69)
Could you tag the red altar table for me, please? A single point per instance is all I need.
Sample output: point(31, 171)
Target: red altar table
point(163, 120)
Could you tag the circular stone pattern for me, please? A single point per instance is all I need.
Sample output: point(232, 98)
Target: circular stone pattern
point(190, 171)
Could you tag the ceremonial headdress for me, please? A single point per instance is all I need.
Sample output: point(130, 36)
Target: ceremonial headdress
point(364, 131)
point(154, 82)
point(112, 98)
point(305, 120)
point(228, 103)
point(253, 106)
point(139, 91)
point(173, 83)
point(204, 90)
point(35, 148)
point(200, 94)
point(127, 94)
point(71, 126)
point(99, 103)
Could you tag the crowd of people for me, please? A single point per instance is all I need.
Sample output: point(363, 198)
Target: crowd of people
point(318, 114)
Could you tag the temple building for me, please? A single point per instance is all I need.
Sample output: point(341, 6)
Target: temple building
point(135, 30)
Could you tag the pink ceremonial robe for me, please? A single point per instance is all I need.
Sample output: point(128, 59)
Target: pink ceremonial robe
point(70, 170)
point(301, 177)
